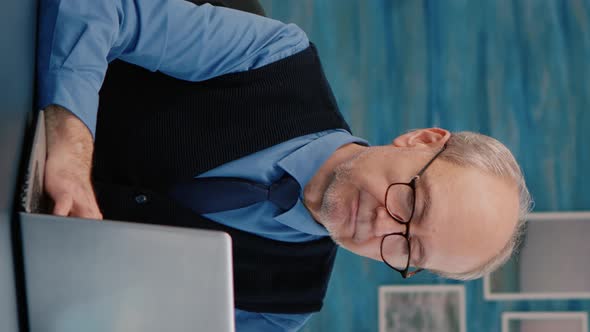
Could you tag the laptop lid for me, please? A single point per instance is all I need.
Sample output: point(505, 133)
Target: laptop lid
point(86, 275)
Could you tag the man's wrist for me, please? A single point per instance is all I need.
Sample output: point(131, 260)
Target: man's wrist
point(67, 135)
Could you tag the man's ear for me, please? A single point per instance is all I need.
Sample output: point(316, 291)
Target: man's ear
point(428, 137)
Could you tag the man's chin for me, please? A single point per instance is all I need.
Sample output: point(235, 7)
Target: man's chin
point(336, 212)
point(334, 220)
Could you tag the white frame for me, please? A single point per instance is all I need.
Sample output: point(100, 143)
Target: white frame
point(542, 315)
point(460, 289)
point(539, 217)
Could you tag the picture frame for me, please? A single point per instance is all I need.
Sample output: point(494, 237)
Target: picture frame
point(417, 308)
point(545, 321)
point(530, 276)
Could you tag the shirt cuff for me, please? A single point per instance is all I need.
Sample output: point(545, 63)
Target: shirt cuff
point(73, 93)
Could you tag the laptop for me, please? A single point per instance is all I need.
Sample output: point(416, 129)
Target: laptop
point(87, 275)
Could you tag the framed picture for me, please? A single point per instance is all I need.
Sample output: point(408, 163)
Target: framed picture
point(422, 308)
point(544, 321)
point(551, 264)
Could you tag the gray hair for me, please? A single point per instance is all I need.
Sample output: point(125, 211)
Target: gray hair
point(468, 149)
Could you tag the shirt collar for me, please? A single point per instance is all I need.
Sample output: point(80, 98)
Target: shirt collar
point(302, 164)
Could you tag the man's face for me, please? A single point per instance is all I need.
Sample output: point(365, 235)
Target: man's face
point(468, 219)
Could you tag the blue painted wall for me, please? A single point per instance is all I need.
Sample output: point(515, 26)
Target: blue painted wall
point(516, 70)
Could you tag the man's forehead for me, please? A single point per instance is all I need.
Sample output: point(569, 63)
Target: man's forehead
point(473, 215)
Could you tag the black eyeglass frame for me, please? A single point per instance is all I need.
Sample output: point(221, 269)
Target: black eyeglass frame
point(406, 235)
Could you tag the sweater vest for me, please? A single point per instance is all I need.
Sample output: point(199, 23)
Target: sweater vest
point(154, 130)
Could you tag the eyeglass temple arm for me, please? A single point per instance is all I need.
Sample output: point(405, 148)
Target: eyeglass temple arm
point(430, 162)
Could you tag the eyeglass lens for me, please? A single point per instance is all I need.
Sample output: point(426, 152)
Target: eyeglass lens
point(400, 204)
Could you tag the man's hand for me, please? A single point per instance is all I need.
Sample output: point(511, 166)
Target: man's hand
point(69, 164)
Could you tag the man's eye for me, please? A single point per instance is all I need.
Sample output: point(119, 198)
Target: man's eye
point(410, 201)
point(416, 249)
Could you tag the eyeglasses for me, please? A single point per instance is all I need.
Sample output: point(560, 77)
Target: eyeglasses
point(400, 202)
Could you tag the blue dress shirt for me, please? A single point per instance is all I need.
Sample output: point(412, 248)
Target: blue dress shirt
point(301, 157)
point(175, 37)
point(193, 43)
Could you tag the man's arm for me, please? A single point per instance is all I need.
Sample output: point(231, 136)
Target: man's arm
point(78, 38)
point(68, 165)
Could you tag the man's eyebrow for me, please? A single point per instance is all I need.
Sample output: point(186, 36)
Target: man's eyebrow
point(425, 189)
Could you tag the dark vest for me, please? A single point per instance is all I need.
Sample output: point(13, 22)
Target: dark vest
point(154, 130)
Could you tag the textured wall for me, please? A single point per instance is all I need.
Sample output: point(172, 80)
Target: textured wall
point(515, 70)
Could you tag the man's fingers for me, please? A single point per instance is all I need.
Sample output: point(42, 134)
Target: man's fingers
point(91, 207)
point(63, 205)
point(97, 215)
point(82, 204)
point(85, 206)
point(89, 212)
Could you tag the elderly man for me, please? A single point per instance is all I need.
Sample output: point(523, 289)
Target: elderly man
point(221, 119)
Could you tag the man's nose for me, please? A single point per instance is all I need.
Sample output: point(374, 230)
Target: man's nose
point(384, 224)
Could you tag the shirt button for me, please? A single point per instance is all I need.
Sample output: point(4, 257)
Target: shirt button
point(141, 199)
